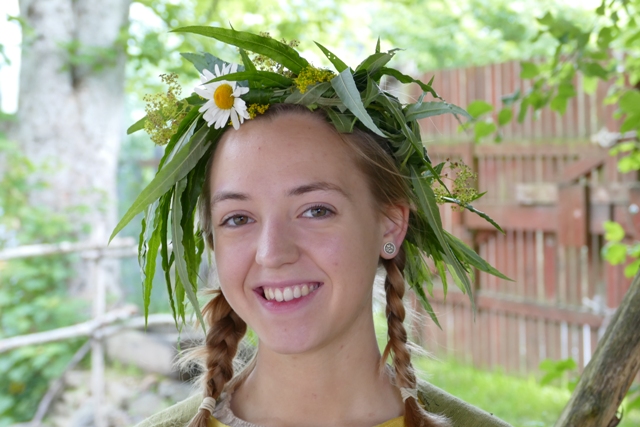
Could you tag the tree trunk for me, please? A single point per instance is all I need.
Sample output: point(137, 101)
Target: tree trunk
point(71, 99)
point(609, 374)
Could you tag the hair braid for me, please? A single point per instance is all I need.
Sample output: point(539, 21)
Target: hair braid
point(226, 329)
point(414, 414)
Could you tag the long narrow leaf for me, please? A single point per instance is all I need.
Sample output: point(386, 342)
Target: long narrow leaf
point(430, 109)
point(472, 257)
point(164, 209)
point(343, 123)
point(139, 125)
point(265, 78)
point(150, 267)
point(337, 62)
point(178, 249)
point(348, 93)
point(181, 137)
point(403, 78)
point(374, 62)
point(172, 172)
point(427, 201)
point(311, 95)
point(470, 208)
point(204, 61)
point(279, 52)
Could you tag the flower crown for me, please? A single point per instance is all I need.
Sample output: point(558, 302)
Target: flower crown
point(230, 94)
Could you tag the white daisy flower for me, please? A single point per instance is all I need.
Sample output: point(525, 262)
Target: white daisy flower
point(223, 98)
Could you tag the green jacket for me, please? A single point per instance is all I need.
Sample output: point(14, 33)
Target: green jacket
point(436, 400)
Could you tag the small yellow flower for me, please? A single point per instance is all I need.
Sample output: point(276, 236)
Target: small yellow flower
point(255, 109)
point(165, 111)
point(310, 76)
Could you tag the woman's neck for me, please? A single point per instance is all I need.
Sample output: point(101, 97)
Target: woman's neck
point(340, 384)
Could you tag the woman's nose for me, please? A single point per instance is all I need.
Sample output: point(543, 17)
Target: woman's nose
point(276, 245)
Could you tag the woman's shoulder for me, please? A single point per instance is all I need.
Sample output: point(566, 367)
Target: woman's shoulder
point(177, 415)
point(461, 413)
point(434, 399)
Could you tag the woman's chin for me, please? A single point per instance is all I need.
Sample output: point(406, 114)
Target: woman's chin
point(289, 343)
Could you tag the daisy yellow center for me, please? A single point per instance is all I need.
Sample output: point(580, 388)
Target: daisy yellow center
point(223, 97)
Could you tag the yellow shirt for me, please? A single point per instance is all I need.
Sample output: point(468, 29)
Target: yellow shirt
point(396, 422)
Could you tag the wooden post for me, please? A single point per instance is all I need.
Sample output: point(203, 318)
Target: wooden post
point(609, 374)
point(97, 347)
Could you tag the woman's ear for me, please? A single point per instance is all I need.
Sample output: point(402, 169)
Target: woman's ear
point(395, 223)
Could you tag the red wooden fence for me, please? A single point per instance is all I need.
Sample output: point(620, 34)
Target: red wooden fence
point(551, 199)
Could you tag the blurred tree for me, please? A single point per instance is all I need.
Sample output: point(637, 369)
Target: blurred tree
point(71, 100)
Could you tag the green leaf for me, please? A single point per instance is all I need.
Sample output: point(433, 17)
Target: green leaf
point(529, 70)
point(403, 78)
point(632, 269)
point(630, 102)
point(179, 166)
point(615, 253)
point(343, 122)
point(372, 92)
point(265, 78)
point(204, 61)
point(311, 95)
point(613, 232)
point(470, 208)
point(427, 201)
point(593, 69)
point(504, 116)
point(559, 104)
point(164, 208)
point(511, 98)
point(632, 40)
point(547, 19)
point(337, 62)
point(139, 125)
point(374, 62)
point(185, 131)
point(279, 52)
point(478, 108)
point(348, 93)
point(153, 244)
point(482, 129)
point(465, 252)
point(246, 61)
point(179, 250)
point(430, 109)
point(249, 66)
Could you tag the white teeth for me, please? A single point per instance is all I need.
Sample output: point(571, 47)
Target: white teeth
point(289, 293)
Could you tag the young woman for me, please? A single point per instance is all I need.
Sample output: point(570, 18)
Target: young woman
point(299, 216)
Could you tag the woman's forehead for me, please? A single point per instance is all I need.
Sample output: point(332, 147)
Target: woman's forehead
point(286, 152)
point(288, 144)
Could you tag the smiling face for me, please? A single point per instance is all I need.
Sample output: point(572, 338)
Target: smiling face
point(296, 232)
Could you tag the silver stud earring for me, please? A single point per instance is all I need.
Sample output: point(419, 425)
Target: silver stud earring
point(389, 248)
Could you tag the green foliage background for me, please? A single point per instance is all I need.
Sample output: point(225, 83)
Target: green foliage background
point(33, 292)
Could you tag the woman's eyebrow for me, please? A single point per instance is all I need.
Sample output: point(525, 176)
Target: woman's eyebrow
point(228, 195)
point(317, 186)
point(297, 191)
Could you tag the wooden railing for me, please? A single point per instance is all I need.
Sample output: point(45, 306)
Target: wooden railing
point(104, 321)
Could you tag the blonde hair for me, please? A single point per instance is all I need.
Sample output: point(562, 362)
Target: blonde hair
point(374, 158)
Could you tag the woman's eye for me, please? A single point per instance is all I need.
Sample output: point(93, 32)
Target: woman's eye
point(236, 220)
point(317, 212)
